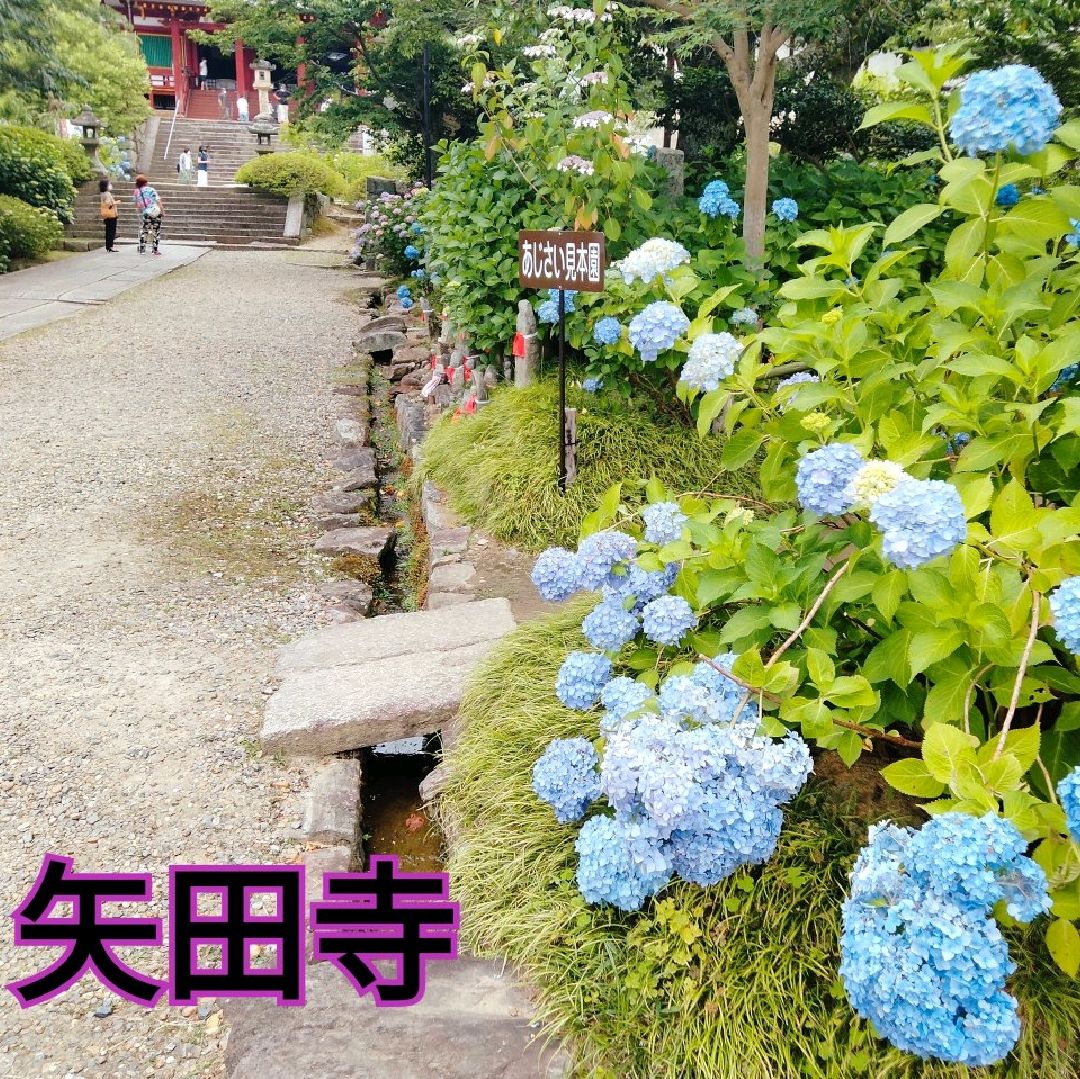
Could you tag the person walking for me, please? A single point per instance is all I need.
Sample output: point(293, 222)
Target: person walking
point(108, 213)
point(204, 71)
point(243, 112)
point(183, 166)
point(204, 167)
point(148, 203)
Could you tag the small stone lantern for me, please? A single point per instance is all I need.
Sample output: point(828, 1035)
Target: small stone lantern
point(90, 125)
point(263, 84)
point(263, 129)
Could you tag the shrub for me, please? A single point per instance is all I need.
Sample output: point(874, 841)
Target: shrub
point(291, 173)
point(68, 152)
point(28, 231)
point(35, 171)
point(356, 168)
point(500, 466)
point(392, 233)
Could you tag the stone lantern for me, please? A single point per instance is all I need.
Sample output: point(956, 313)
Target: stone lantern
point(263, 84)
point(263, 129)
point(91, 125)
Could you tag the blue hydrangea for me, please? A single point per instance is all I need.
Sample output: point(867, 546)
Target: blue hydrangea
point(657, 328)
point(1008, 195)
point(715, 201)
point(1011, 107)
point(797, 379)
point(412, 252)
point(711, 359)
point(566, 777)
point(785, 209)
point(823, 475)
point(920, 957)
point(406, 302)
point(623, 695)
point(663, 522)
point(419, 274)
point(416, 228)
point(722, 689)
point(557, 574)
point(919, 520)
point(745, 316)
point(667, 620)
point(601, 554)
point(402, 291)
point(609, 626)
point(1074, 236)
point(684, 697)
point(1066, 377)
point(607, 331)
point(548, 312)
point(642, 586)
point(592, 384)
point(581, 678)
point(1065, 607)
point(1069, 793)
point(608, 873)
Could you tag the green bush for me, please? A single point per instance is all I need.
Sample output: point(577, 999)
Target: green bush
point(68, 152)
point(356, 168)
point(292, 173)
point(36, 171)
point(735, 981)
point(500, 466)
point(28, 231)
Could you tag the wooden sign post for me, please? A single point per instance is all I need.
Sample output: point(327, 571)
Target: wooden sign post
point(562, 260)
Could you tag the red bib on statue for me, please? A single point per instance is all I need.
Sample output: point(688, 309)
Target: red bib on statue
point(518, 348)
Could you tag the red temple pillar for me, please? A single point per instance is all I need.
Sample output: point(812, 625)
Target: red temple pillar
point(242, 84)
point(178, 65)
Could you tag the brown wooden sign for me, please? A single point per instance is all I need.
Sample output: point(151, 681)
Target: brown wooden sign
point(563, 260)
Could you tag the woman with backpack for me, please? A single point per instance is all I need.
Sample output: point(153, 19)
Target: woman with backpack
point(108, 213)
point(148, 204)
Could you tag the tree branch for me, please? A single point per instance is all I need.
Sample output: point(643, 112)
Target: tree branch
point(829, 586)
point(1036, 602)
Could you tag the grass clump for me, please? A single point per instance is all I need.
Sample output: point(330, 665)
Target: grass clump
point(500, 466)
point(361, 567)
point(736, 981)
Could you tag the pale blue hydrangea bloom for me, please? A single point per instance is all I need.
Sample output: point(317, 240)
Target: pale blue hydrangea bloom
point(1065, 607)
point(623, 695)
point(1008, 195)
point(557, 574)
point(797, 379)
point(711, 359)
point(599, 555)
point(566, 777)
point(419, 274)
point(609, 626)
point(581, 678)
point(1069, 793)
point(663, 522)
point(823, 475)
point(785, 209)
point(667, 620)
point(920, 958)
point(607, 871)
point(406, 302)
point(653, 259)
point(592, 384)
point(656, 329)
point(919, 520)
point(1066, 377)
point(607, 331)
point(1074, 236)
point(642, 586)
point(1010, 107)
point(412, 252)
point(716, 201)
point(745, 316)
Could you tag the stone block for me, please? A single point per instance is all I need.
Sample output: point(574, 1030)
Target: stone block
point(350, 389)
point(358, 458)
point(673, 161)
point(435, 509)
point(360, 479)
point(453, 577)
point(353, 592)
point(437, 601)
point(332, 810)
point(385, 324)
point(332, 521)
point(434, 783)
point(376, 542)
point(350, 433)
point(337, 501)
point(447, 541)
point(379, 341)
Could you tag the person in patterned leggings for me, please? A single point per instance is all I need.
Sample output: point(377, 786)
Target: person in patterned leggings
point(151, 213)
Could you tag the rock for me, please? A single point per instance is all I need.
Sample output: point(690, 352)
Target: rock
point(350, 460)
point(375, 343)
point(351, 433)
point(436, 601)
point(385, 324)
point(452, 577)
point(376, 542)
point(434, 783)
point(354, 592)
point(447, 541)
point(337, 501)
point(350, 389)
point(332, 811)
point(103, 1010)
point(435, 510)
point(359, 479)
point(338, 520)
point(343, 613)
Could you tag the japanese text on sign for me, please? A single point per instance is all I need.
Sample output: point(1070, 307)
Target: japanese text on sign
point(567, 260)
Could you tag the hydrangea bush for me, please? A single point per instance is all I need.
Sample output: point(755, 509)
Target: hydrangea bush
point(390, 231)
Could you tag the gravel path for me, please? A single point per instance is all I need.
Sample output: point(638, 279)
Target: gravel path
point(159, 454)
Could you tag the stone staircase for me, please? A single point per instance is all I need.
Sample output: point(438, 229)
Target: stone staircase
point(235, 217)
point(231, 145)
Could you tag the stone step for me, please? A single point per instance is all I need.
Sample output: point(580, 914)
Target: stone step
point(394, 676)
point(375, 542)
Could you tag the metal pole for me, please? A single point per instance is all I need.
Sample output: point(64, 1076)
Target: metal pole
point(427, 115)
point(562, 390)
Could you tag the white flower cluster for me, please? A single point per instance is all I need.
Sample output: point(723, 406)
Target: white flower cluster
point(490, 80)
point(782, 118)
point(539, 52)
point(653, 258)
point(574, 163)
point(595, 78)
point(593, 119)
point(468, 41)
point(581, 15)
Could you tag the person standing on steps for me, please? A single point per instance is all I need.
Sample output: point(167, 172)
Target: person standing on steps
point(204, 167)
point(243, 113)
point(203, 72)
point(183, 166)
point(108, 213)
point(223, 103)
point(148, 204)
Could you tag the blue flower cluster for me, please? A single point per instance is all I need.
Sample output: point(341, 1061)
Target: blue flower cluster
point(1074, 236)
point(668, 619)
point(1069, 794)
point(604, 556)
point(785, 209)
point(657, 328)
point(796, 379)
point(419, 274)
point(919, 520)
point(745, 316)
point(566, 777)
point(1010, 107)
point(607, 871)
point(1066, 377)
point(607, 331)
point(609, 625)
point(716, 201)
point(557, 574)
point(1065, 607)
point(711, 359)
point(416, 228)
point(592, 384)
point(1008, 195)
point(548, 311)
point(822, 476)
point(623, 695)
point(404, 296)
point(920, 957)
point(412, 252)
point(663, 522)
point(581, 678)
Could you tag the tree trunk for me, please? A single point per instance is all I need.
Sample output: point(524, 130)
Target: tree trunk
point(756, 128)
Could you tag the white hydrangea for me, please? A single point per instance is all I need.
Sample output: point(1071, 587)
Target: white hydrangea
point(580, 15)
point(595, 78)
point(711, 359)
point(874, 479)
point(573, 163)
point(653, 258)
point(593, 119)
point(539, 52)
point(469, 41)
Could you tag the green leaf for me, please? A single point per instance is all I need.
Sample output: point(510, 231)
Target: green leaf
point(910, 221)
point(1004, 774)
point(1063, 943)
point(741, 446)
point(933, 645)
point(889, 591)
point(888, 659)
point(911, 777)
point(820, 667)
point(896, 110)
point(944, 748)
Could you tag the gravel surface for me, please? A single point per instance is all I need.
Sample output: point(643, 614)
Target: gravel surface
point(159, 456)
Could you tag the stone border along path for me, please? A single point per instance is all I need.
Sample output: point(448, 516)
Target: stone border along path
point(352, 686)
